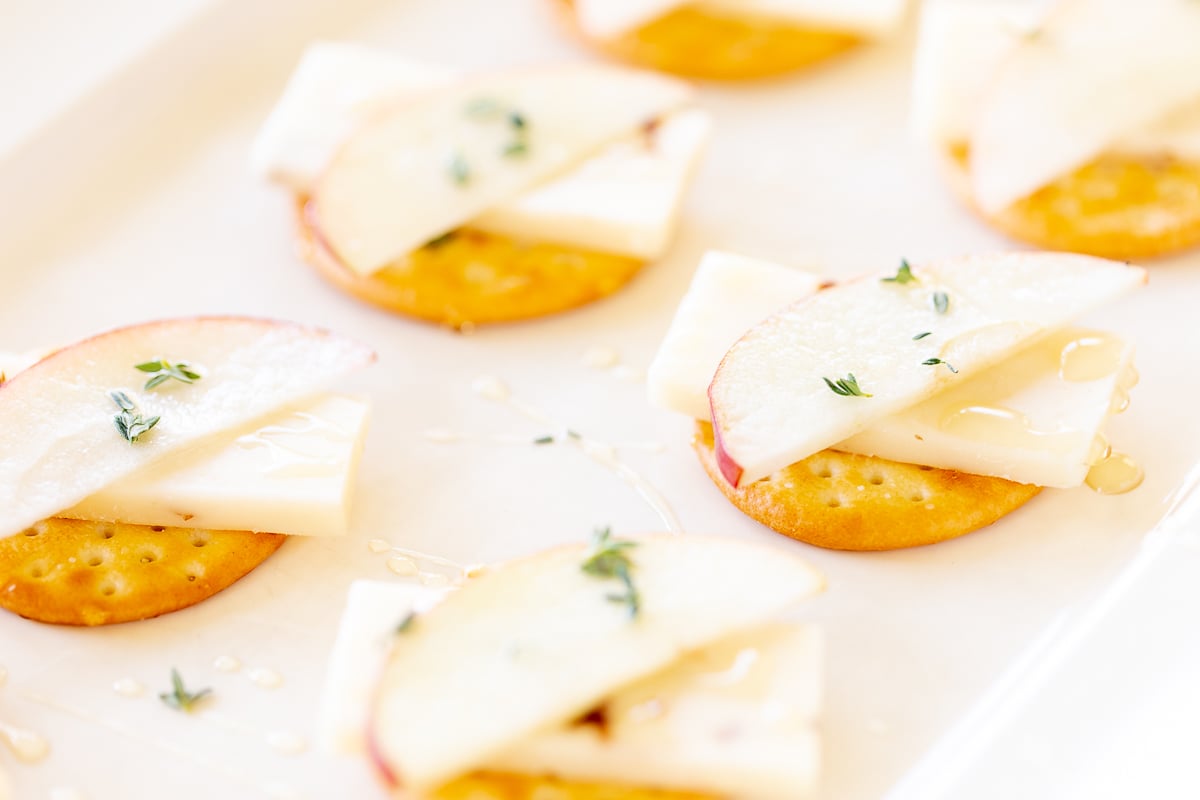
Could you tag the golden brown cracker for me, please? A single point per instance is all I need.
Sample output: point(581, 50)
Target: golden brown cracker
point(497, 786)
point(697, 43)
point(851, 502)
point(78, 572)
point(470, 277)
point(1118, 206)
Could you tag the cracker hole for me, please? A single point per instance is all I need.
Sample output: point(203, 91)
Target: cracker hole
point(149, 555)
point(822, 471)
point(193, 572)
point(876, 480)
point(30, 532)
point(833, 502)
point(157, 528)
point(924, 468)
point(107, 532)
point(917, 497)
point(201, 538)
point(39, 570)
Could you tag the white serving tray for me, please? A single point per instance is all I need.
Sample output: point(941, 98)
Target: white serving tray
point(137, 203)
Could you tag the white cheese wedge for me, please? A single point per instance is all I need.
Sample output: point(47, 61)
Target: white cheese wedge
point(736, 718)
point(428, 166)
point(962, 46)
point(770, 402)
point(624, 200)
point(1034, 418)
point(332, 90)
point(1097, 72)
point(605, 19)
point(294, 475)
point(728, 295)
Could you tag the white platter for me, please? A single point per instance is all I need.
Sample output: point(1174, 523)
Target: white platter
point(138, 203)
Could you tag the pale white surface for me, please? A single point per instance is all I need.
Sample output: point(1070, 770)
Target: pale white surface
point(293, 474)
point(815, 170)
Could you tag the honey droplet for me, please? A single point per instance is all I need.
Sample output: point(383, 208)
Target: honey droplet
point(1090, 357)
point(1115, 474)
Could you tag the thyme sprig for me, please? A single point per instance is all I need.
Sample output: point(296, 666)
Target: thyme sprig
point(903, 274)
point(933, 362)
point(609, 560)
point(161, 370)
point(846, 387)
point(130, 422)
point(179, 698)
point(941, 302)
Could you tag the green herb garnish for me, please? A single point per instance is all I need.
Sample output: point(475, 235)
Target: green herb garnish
point(163, 371)
point(941, 302)
point(179, 698)
point(922, 335)
point(609, 560)
point(406, 624)
point(484, 108)
point(846, 387)
point(460, 171)
point(933, 362)
point(516, 148)
point(130, 422)
point(903, 275)
point(544, 440)
point(438, 241)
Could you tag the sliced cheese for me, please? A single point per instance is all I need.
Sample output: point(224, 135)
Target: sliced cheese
point(332, 91)
point(771, 406)
point(536, 643)
point(735, 718)
point(625, 200)
point(1029, 419)
point(728, 295)
point(428, 166)
point(1033, 418)
point(1097, 71)
point(294, 475)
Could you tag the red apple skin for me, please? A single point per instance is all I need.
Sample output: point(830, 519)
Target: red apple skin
point(730, 469)
point(375, 753)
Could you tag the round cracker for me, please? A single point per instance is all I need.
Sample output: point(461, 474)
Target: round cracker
point(470, 277)
point(79, 572)
point(697, 43)
point(504, 786)
point(1118, 206)
point(843, 501)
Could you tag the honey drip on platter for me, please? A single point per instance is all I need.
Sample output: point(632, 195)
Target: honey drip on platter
point(1116, 473)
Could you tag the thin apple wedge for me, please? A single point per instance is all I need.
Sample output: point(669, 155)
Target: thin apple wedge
point(428, 166)
point(827, 367)
point(1095, 72)
point(539, 641)
point(58, 418)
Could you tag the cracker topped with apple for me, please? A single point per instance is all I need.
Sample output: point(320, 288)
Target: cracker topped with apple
point(148, 468)
point(731, 39)
point(467, 199)
point(1074, 125)
point(901, 408)
point(636, 668)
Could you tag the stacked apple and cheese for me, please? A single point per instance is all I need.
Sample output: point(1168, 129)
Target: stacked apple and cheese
point(1072, 124)
point(468, 199)
point(654, 664)
point(732, 39)
point(902, 408)
point(214, 432)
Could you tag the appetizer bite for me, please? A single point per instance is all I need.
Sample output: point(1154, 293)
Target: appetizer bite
point(650, 667)
point(730, 39)
point(1074, 125)
point(903, 408)
point(150, 467)
point(472, 199)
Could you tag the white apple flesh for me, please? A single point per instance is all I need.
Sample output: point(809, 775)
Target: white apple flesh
point(537, 642)
point(424, 167)
point(57, 428)
point(771, 406)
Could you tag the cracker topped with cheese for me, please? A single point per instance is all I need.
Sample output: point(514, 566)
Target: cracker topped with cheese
point(150, 467)
point(902, 408)
point(650, 667)
point(475, 198)
point(731, 39)
point(1073, 124)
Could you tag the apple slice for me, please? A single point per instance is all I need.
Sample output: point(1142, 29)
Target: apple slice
point(771, 404)
point(1095, 72)
point(58, 435)
point(538, 642)
point(428, 166)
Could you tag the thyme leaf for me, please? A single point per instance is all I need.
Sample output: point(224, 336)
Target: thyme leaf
point(846, 387)
point(609, 560)
point(179, 698)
